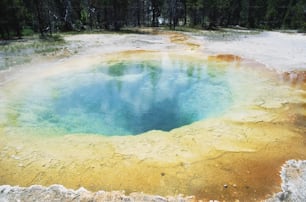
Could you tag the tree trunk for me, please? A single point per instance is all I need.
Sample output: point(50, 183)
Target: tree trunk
point(8, 36)
point(18, 30)
point(39, 17)
point(185, 12)
point(284, 23)
point(67, 16)
point(153, 18)
point(138, 13)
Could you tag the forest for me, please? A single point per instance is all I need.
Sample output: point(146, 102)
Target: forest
point(25, 17)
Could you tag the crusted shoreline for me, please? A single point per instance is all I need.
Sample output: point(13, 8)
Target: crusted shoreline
point(259, 135)
point(60, 193)
point(293, 176)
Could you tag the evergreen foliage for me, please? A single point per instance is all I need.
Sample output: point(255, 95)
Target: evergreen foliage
point(49, 16)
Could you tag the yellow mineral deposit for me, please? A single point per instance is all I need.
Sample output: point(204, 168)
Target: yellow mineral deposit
point(237, 155)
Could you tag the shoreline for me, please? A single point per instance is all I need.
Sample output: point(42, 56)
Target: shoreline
point(267, 115)
point(293, 176)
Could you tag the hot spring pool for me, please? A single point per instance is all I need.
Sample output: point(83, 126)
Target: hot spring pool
point(155, 122)
point(123, 98)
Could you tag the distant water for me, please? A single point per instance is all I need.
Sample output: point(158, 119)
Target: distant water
point(126, 98)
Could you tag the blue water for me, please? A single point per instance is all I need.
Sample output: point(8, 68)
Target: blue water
point(125, 98)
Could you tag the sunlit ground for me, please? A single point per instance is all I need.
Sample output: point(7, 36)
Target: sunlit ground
point(235, 122)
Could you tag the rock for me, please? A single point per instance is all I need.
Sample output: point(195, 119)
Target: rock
point(293, 176)
point(60, 193)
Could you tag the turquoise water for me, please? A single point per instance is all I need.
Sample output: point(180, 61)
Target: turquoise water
point(124, 98)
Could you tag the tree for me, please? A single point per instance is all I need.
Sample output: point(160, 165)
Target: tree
point(48, 16)
point(119, 13)
point(276, 11)
point(193, 9)
point(156, 11)
point(67, 15)
point(257, 13)
point(244, 13)
point(173, 11)
point(295, 15)
point(136, 13)
point(12, 14)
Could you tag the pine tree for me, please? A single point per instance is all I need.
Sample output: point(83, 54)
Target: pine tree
point(12, 19)
point(244, 13)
